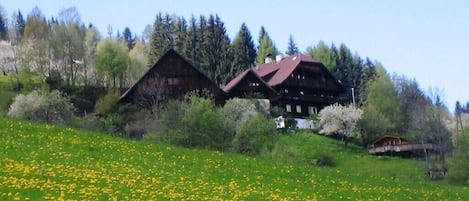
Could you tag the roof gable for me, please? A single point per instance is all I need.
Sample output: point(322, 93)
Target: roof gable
point(163, 67)
point(245, 75)
point(275, 73)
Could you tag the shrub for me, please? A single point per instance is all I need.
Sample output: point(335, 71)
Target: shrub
point(323, 158)
point(194, 122)
point(257, 133)
point(50, 107)
point(107, 103)
point(204, 124)
point(238, 111)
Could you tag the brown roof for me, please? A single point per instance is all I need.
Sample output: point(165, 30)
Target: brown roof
point(282, 69)
point(228, 87)
point(163, 57)
point(385, 137)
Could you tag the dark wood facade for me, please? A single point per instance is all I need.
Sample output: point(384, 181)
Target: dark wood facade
point(302, 86)
point(398, 146)
point(249, 84)
point(171, 77)
point(298, 84)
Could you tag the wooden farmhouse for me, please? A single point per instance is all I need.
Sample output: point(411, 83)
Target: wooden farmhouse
point(395, 145)
point(299, 84)
point(171, 77)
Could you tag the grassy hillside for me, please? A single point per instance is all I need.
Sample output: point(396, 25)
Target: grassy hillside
point(43, 162)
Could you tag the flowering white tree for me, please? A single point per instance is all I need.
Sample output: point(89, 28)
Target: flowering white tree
point(341, 120)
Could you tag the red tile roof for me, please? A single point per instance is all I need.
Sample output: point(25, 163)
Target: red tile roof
point(282, 69)
point(235, 81)
point(228, 87)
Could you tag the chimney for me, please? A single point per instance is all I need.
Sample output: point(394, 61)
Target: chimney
point(267, 60)
point(278, 58)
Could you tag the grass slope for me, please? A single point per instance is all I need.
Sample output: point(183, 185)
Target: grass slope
point(44, 162)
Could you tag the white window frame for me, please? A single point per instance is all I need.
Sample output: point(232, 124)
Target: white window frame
point(298, 108)
point(312, 110)
point(287, 107)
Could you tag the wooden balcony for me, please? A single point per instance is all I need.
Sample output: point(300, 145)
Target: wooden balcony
point(402, 148)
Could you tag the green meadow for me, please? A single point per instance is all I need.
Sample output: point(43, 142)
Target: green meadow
point(48, 162)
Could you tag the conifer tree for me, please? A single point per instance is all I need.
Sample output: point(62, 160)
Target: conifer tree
point(215, 46)
point(266, 47)
point(128, 38)
point(3, 24)
point(244, 53)
point(292, 47)
point(161, 38)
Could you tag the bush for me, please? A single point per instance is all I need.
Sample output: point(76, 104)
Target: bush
point(107, 104)
point(50, 107)
point(323, 158)
point(195, 122)
point(238, 111)
point(256, 134)
point(285, 153)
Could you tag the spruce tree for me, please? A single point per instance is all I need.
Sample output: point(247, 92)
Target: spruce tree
point(215, 47)
point(161, 38)
point(292, 47)
point(192, 43)
point(128, 38)
point(244, 53)
point(3, 25)
point(266, 47)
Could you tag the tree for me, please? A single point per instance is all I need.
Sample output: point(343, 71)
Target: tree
point(413, 102)
point(322, 53)
point(33, 53)
point(436, 132)
point(128, 38)
point(244, 53)
point(193, 42)
point(266, 47)
point(292, 48)
point(112, 60)
point(3, 24)
point(74, 36)
point(138, 61)
point(92, 38)
point(17, 28)
point(459, 161)
point(215, 47)
point(341, 120)
point(161, 38)
point(382, 99)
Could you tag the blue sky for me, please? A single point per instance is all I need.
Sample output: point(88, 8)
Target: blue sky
point(422, 39)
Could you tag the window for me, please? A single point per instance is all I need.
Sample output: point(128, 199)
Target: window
point(302, 93)
point(254, 84)
point(172, 81)
point(312, 110)
point(288, 107)
point(286, 91)
point(298, 109)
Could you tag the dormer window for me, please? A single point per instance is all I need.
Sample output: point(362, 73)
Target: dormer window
point(302, 93)
point(286, 91)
